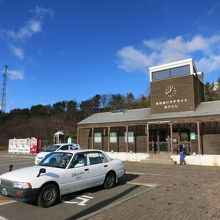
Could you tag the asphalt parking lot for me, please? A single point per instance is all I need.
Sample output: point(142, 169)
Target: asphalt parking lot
point(147, 191)
point(83, 204)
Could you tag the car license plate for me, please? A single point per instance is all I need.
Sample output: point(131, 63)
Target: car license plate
point(4, 191)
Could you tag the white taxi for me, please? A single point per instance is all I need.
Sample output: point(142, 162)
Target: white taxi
point(55, 147)
point(59, 173)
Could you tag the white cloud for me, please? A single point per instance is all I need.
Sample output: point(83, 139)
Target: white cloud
point(213, 10)
point(204, 50)
point(39, 11)
point(30, 28)
point(132, 59)
point(18, 52)
point(209, 64)
point(16, 74)
point(35, 26)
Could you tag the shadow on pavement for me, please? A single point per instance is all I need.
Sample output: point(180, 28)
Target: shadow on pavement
point(122, 181)
point(102, 204)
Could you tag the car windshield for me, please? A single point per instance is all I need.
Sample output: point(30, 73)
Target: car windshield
point(52, 148)
point(56, 159)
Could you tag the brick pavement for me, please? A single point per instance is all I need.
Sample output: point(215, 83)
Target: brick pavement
point(184, 192)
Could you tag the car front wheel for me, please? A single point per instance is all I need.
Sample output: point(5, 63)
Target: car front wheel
point(110, 180)
point(48, 195)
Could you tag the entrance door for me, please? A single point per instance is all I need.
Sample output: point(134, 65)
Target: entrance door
point(163, 139)
point(158, 138)
point(153, 140)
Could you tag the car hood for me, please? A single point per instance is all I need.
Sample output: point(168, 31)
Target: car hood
point(29, 174)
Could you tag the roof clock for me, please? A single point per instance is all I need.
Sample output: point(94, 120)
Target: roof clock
point(170, 91)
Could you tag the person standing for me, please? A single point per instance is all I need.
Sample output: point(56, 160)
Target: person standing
point(183, 152)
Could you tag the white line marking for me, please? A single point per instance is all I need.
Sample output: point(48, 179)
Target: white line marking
point(151, 174)
point(2, 218)
point(152, 185)
point(134, 173)
point(68, 202)
point(88, 197)
point(5, 203)
point(84, 199)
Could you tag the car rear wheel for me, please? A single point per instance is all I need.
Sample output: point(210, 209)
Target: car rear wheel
point(110, 180)
point(48, 195)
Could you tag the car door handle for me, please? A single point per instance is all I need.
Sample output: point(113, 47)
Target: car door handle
point(105, 165)
point(87, 169)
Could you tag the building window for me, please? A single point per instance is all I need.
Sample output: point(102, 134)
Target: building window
point(163, 74)
point(169, 73)
point(180, 71)
point(98, 137)
point(130, 137)
point(113, 137)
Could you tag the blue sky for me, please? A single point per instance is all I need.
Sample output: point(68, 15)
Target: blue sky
point(73, 50)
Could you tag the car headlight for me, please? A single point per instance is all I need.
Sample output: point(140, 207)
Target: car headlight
point(22, 185)
point(40, 158)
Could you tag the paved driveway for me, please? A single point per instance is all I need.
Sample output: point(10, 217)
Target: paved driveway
point(183, 192)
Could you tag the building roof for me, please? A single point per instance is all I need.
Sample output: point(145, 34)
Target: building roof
point(204, 109)
point(180, 63)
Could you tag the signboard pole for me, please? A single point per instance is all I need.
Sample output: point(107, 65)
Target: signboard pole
point(199, 138)
point(127, 139)
point(171, 138)
point(147, 138)
point(108, 138)
point(77, 141)
point(92, 138)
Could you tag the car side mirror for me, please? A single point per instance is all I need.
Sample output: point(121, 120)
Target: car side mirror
point(42, 170)
point(10, 167)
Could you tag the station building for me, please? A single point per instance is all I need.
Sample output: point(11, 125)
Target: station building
point(178, 115)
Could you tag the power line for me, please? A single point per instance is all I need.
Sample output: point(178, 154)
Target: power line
point(4, 86)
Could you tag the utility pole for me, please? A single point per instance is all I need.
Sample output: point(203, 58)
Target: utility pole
point(3, 95)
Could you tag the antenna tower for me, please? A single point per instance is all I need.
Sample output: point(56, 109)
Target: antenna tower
point(3, 95)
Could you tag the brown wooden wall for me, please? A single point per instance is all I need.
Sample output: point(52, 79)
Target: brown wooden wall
point(139, 145)
point(211, 143)
point(114, 147)
point(84, 138)
point(189, 93)
point(210, 137)
point(198, 91)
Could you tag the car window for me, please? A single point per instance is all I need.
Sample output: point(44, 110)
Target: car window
point(65, 147)
point(56, 159)
point(79, 160)
point(52, 148)
point(96, 158)
point(74, 147)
